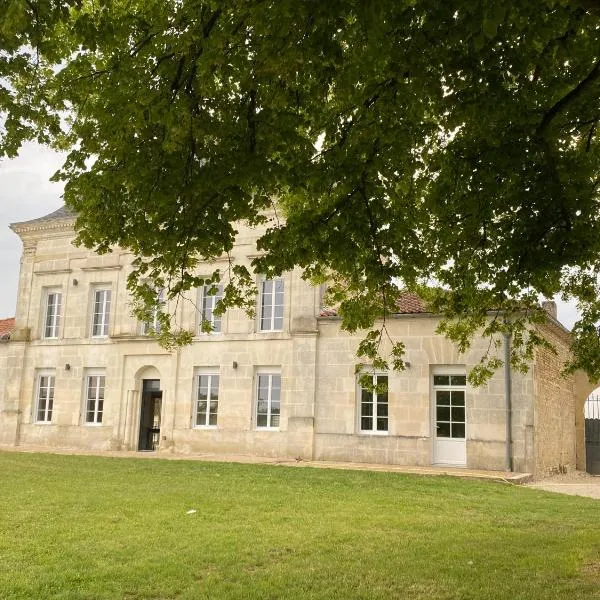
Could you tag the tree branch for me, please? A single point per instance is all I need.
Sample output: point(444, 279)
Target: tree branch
point(557, 108)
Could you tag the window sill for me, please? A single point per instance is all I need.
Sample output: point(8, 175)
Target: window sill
point(205, 427)
point(374, 433)
point(267, 429)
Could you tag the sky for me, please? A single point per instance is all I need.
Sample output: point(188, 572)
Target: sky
point(26, 192)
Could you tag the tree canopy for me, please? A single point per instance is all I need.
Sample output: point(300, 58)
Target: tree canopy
point(449, 148)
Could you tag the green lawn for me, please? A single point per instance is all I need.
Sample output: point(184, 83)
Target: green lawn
point(90, 528)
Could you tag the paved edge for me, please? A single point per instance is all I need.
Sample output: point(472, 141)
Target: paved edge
point(498, 476)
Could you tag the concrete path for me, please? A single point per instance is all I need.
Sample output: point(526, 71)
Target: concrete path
point(514, 478)
point(575, 483)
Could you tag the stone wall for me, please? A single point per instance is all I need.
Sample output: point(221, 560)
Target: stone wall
point(555, 404)
point(410, 439)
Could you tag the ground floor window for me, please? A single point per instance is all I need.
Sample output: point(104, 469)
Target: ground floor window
point(44, 397)
point(207, 400)
point(374, 406)
point(94, 399)
point(268, 400)
point(449, 394)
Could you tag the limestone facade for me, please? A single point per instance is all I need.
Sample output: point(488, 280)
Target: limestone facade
point(110, 385)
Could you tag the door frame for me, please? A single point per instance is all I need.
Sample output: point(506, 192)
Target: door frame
point(148, 393)
point(446, 370)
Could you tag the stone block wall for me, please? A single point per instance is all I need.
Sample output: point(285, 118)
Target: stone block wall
point(555, 407)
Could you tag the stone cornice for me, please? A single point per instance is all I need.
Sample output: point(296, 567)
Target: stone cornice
point(65, 224)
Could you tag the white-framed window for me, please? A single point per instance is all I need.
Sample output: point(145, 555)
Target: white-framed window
point(268, 400)
point(52, 309)
point(44, 404)
point(207, 399)
point(153, 325)
point(208, 301)
point(100, 312)
point(450, 415)
point(271, 304)
point(373, 409)
point(94, 397)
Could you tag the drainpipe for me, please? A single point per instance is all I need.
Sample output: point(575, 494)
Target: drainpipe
point(508, 398)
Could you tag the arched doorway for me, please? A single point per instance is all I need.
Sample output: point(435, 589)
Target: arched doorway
point(592, 432)
point(150, 409)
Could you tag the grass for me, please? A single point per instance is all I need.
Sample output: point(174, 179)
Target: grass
point(76, 527)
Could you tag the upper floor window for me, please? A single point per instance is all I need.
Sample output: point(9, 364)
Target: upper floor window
point(209, 301)
point(94, 398)
point(44, 397)
point(374, 406)
point(154, 325)
point(271, 305)
point(101, 313)
point(53, 302)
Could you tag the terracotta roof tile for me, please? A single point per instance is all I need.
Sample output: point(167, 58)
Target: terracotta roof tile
point(409, 304)
point(6, 327)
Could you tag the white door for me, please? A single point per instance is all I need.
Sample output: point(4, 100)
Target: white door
point(449, 420)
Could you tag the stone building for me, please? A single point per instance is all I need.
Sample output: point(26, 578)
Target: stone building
point(81, 372)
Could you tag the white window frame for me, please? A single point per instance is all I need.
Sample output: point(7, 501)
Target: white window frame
point(47, 411)
point(54, 326)
point(270, 373)
point(154, 325)
point(450, 370)
point(104, 317)
point(207, 303)
point(213, 376)
point(270, 326)
point(100, 374)
point(374, 404)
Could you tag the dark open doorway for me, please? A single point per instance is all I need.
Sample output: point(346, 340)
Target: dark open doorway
point(150, 411)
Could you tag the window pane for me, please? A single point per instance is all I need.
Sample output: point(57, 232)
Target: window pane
point(262, 407)
point(458, 398)
point(275, 421)
point(275, 408)
point(212, 419)
point(202, 407)
point(366, 409)
point(443, 429)
point(458, 430)
point(441, 380)
point(442, 397)
point(213, 406)
point(265, 321)
point(261, 420)
point(366, 423)
point(382, 410)
point(458, 413)
point(275, 388)
point(443, 413)
point(267, 287)
point(458, 380)
point(382, 424)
